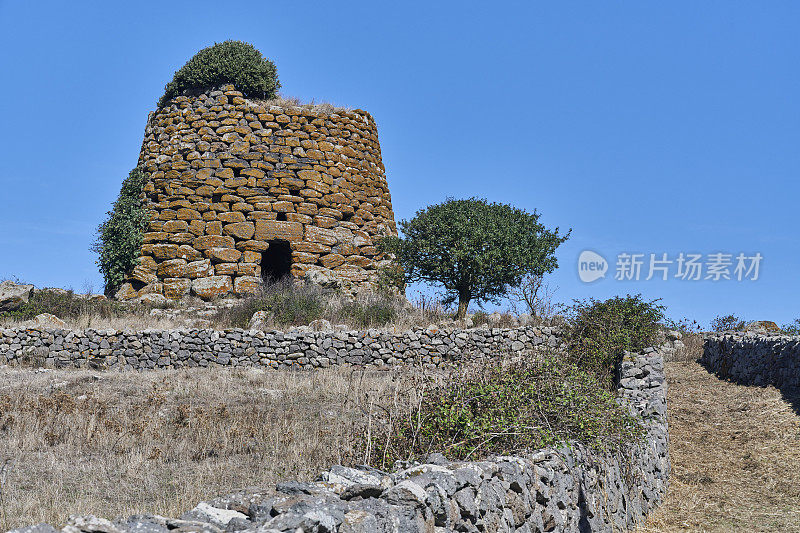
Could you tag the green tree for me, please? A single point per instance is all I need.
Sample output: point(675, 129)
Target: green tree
point(233, 62)
point(119, 238)
point(474, 248)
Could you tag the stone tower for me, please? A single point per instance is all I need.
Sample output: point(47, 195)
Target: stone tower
point(241, 191)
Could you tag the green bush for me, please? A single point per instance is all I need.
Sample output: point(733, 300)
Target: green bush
point(600, 331)
point(491, 407)
point(233, 62)
point(119, 238)
point(727, 323)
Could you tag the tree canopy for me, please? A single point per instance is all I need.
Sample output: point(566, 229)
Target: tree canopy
point(474, 248)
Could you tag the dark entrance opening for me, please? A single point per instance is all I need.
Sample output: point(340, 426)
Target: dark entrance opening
point(276, 261)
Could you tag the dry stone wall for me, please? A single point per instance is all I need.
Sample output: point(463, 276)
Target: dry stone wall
point(553, 489)
point(754, 359)
point(110, 349)
point(240, 190)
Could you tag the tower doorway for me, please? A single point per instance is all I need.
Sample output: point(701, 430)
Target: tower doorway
point(276, 261)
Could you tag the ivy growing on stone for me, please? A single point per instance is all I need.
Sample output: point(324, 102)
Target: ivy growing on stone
point(233, 62)
point(120, 236)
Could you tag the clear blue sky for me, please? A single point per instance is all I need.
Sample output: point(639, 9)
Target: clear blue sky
point(647, 127)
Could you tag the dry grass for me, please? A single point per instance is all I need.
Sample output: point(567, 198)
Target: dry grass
point(735, 456)
point(122, 323)
point(322, 108)
point(692, 349)
point(115, 444)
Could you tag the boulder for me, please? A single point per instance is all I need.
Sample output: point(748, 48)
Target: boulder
point(246, 285)
point(125, 292)
point(199, 269)
point(153, 299)
point(157, 288)
point(46, 320)
point(259, 320)
point(763, 326)
point(321, 325)
point(14, 295)
point(52, 290)
point(176, 288)
point(323, 278)
point(223, 255)
point(674, 335)
point(143, 273)
point(212, 287)
point(172, 268)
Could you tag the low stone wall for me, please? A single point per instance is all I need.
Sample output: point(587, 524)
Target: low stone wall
point(199, 347)
point(564, 489)
point(753, 359)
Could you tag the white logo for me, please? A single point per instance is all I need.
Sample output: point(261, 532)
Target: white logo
point(591, 266)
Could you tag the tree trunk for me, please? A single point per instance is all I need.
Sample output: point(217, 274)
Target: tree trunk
point(463, 304)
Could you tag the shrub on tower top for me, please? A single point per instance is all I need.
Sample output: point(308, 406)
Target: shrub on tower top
point(233, 62)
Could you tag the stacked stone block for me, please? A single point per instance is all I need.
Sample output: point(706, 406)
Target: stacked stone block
point(151, 349)
point(754, 359)
point(228, 177)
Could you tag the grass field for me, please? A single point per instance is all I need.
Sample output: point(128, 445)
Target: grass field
point(113, 444)
point(735, 454)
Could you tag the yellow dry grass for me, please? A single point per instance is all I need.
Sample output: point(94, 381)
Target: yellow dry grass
point(735, 457)
point(116, 444)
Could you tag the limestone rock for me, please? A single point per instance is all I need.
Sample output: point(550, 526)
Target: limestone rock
point(14, 295)
point(125, 292)
point(763, 326)
point(246, 285)
point(323, 278)
point(199, 269)
point(175, 288)
point(213, 241)
point(212, 287)
point(321, 325)
point(144, 274)
point(674, 335)
point(152, 288)
point(90, 524)
point(223, 255)
point(240, 230)
point(172, 268)
point(153, 299)
point(259, 320)
point(267, 230)
point(46, 320)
